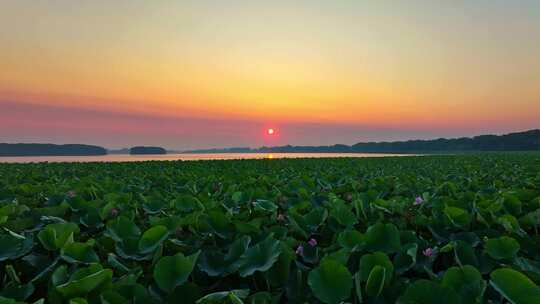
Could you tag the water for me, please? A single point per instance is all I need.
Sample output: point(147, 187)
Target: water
point(131, 158)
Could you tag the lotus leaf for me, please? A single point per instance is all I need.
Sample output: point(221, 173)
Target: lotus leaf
point(330, 282)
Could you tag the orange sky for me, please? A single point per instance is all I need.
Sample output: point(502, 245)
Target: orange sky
point(348, 70)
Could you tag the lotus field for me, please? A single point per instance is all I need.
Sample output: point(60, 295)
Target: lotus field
point(430, 229)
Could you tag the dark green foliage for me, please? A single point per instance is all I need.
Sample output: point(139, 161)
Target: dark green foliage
point(434, 229)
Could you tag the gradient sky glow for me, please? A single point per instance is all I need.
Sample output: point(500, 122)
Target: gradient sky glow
point(198, 74)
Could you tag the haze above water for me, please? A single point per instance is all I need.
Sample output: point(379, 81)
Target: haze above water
point(172, 157)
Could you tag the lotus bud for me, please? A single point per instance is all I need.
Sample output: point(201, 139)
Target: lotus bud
point(300, 250)
point(428, 252)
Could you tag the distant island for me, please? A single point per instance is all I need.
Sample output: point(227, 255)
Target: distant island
point(521, 141)
point(50, 150)
point(147, 150)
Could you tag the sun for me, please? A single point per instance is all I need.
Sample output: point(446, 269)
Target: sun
point(270, 131)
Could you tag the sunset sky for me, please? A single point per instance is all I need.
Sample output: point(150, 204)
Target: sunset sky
point(198, 74)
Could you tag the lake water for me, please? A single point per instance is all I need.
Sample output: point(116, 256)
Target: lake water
point(130, 158)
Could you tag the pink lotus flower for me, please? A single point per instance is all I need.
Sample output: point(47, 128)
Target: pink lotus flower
point(300, 250)
point(114, 212)
point(312, 242)
point(428, 252)
point(418, 201)
point(71, 194)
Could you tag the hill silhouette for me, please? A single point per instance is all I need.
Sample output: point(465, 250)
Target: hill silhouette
point(50, 150)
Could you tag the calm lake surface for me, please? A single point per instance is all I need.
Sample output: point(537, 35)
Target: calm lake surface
point(130, 158)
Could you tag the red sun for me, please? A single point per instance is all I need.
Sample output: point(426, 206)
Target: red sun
point(270, 131)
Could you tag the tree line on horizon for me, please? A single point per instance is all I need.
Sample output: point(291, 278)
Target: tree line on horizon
point(521, 141)
point(32, 149)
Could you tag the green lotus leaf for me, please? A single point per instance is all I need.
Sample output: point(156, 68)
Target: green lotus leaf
point(264, 206)
point(459, 217)
point(187, 203)
point(216, 263)
point(260, 257)
point(188, 292)
point(4, 300)
point(342, 256)
point(279, 274)
point(129, 249)
point(122, 228)
point(172, 271)
point(19, 292)
point(428, 292)
point(112, 297)
point(298, 224)
point(376, 281)
point(250, 227)
point(152, 238)
point(220, 223)
point(78, 203)
point(153, 205)
point(465, 254)
point(14, 246)
point(467, 282)
point(502, 248)
point(60, 275)
point(78, 301)
point(343, 214)
point(314, 219)
point(351, 239)
point(212, 263)
point(233, 296)
point(116, 264)
point(383, 237)
point(237, 197)
point(261, 298)
point(135, 293)
point(330, 282)
point(512, 204)
point(515, 286)
point(531, 219)
point(369, 261)
point(405, 259)
point(79, 252)
point(55, 236)
point(510, 224)
point(91, 217)
point(84, 281)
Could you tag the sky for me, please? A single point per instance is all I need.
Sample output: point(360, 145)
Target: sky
point(200, 74)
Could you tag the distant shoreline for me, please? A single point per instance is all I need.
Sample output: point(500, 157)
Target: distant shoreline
point(513, 142)
point(520, 141)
